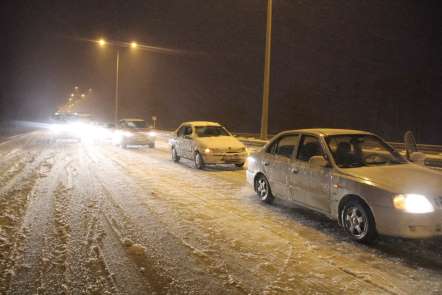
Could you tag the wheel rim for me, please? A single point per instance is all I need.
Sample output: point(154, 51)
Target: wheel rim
point(355, 221)
point(262, 188)
point(198, 160)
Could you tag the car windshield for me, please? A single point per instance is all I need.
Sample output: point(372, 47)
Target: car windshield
point(361, 150)
point(211, 131)
point(136, 124)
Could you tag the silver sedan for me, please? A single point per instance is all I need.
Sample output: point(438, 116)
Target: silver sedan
point(353, 177)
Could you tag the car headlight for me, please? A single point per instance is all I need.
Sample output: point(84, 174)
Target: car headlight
point(152, 133)
point(127, 134)
point(207, 151)
point(413, 203)
point(55, 128)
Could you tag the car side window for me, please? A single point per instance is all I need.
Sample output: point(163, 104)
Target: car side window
point(180, 132)
point(272, 148)
point(309, 147)
point(284, 146)
point(187, 130)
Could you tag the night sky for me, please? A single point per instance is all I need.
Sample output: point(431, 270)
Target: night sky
point(374, 65)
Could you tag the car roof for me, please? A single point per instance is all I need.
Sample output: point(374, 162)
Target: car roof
point(132, 119)
point(201, 123)
point(329, 131)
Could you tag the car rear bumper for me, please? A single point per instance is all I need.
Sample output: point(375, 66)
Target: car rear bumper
point(393, 222)
point(225, 158)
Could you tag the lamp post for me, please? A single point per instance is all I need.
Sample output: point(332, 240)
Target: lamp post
point(117, 70)
point(266, 83)
point(117, 45)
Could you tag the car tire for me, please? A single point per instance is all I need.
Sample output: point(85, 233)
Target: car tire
point(358, 221)
point(175, 156)
point(263, 190)
point(239, 165)
point(151, 145)
point(198, 161)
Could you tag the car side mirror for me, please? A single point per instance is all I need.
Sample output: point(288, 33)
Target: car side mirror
point(318, 162)
point(418, 158)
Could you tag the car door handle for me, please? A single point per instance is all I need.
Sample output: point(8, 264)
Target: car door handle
point(265, 163)
point(294, 170)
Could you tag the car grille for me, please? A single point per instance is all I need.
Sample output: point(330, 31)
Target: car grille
point(228, 151)
point(238, 150)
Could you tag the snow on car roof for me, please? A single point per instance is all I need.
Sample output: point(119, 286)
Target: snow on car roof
point(330, 131)
point(202, 123)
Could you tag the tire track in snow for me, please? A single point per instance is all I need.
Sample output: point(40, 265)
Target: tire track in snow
point(14, 201)
point(153, 227)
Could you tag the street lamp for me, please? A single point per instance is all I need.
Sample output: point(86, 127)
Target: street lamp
point(117, 45)
point(102, 42)
point(266, 83)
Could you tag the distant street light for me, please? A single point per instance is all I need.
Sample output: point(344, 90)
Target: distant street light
point(133, 44)
point(102, 42)
point(266, 83)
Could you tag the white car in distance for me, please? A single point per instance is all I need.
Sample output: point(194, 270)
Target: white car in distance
point(207, 143)
point(133, 132)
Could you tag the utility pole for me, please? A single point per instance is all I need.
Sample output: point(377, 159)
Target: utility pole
point(266, 84)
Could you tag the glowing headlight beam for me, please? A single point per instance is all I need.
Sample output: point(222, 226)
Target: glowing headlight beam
point(413, 203)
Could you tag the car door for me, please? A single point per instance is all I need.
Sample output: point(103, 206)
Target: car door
point(281, 154)
point(178, 141)
point(311, 186)
point(187, 142)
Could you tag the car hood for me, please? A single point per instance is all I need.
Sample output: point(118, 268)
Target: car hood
point(402, 178)
point(220, 142)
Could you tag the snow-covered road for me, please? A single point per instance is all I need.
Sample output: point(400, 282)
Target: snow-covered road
point(96, 219)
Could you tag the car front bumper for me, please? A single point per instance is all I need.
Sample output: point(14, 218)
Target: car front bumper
point(392, 222)
point(250, 176)
point(145, 140)
point(225, 158)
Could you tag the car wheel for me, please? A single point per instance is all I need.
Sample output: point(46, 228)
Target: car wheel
point(239, 165)
point(358, 221)
point(263, 190)
point(152, 145)
point(198, 161)
point(175, 156)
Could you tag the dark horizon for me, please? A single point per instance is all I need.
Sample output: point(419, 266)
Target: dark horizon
point(374, 66)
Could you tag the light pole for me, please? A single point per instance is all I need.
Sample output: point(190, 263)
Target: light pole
point(117, 45)
point(117, 70)
point(266, 83)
